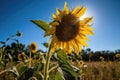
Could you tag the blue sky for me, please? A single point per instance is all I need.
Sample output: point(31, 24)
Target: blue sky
point(15, 15)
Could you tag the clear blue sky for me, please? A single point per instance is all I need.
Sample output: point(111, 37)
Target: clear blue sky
point(15, 15)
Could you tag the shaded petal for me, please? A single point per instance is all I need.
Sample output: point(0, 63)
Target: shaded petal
point(58, 46)
point(80, 40)
point(81, 12)
point(75, 10)
point(89, 32)
point(83, 43)
point(54, 24)
point(84, 37)
point(60, 14)
point(58, 11)
point(54, 16)
point(66, 10)
point(68, 48)
point(75, 46)
point(87, 20)
point(53, 43)
point(50, 31)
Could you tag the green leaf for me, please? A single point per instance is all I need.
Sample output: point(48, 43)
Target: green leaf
point(39, 66)
point(2, 63)
point(2, 42)
point(58, 76)
point(16, 40)
point(46, 45)
point(22, 70)
point(68, 71)
point(61, 56)
point(26, 73)
point(42, 24)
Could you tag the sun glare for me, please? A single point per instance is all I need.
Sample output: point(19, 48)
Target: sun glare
point(84, 16)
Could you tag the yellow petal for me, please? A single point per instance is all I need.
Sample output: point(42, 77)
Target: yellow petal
point(60, 14)
point(81, 12)
point(86, 38)
point(78, 47)
point(66, 10)
point(90, 28)
point(81, 41)
point(54, 16)
point(58, 11)
point(64, 45)
point(67, 47)
point(78, 42)
point(87, 32)
point(58, 45)
point(75, 10)
point(75, 46)
point(54, 41)
point(87, 20)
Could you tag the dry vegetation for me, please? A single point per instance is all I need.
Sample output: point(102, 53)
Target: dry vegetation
point(92, 71)
point(101, 71)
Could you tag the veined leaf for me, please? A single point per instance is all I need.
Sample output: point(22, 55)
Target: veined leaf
point(42, 24)
point(58, 76)
point(26, 73)
point(61, 56)
point(68, 71)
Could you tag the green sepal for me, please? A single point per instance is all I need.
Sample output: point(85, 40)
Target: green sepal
point(41, 24)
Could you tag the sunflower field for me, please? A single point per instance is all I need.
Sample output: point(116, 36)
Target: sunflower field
point(65, 58)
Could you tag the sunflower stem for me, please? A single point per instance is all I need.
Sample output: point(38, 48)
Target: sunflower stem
point(48, 56)
point(29, 60)
point(53, 68)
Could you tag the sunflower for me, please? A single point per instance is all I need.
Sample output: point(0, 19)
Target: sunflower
point(19, 34)
point(101, 58)
point(117, 55)
point(68, 31)
point(21, 56)
point(33, 47)
point(81, 62)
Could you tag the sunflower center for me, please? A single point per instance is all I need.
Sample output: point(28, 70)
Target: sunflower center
point(68, 28)
point(33, 47)
point(22, 56)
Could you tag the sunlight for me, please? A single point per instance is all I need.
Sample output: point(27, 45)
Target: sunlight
point(84, 16)
point(88, 13)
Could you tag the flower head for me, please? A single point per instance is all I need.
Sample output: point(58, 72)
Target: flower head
point(33, 47)
point(19, 34)
point(117, 55)
point(101, 58)
point(81, 62)
point(68, 31)
point(21, 56)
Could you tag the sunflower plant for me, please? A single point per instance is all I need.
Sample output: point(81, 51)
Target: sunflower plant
point(68, 33)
